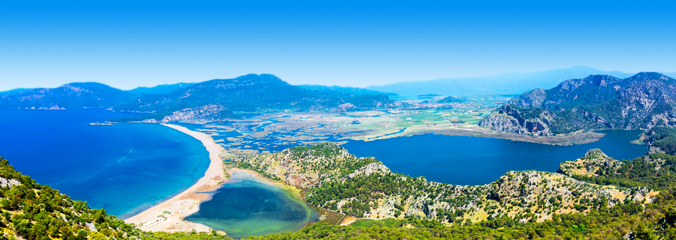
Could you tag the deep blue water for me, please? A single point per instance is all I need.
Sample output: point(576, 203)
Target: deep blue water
point(473, 160)
point(245, 206)
point(123, 168)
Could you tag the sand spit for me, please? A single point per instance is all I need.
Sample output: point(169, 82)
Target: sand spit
point(168, 215)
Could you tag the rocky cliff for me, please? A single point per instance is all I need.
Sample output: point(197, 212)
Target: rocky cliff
point(596, 102)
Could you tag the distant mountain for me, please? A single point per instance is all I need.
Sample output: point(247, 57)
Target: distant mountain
point(450, 99)
point(72, 95)
point(595, 102)
point(509, 83)
point(16, 90)
point(160, 89)
point(348, 90)
point(249, 93)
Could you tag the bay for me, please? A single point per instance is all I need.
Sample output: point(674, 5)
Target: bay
point(123, 168)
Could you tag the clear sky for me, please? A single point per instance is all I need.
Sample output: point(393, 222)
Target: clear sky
point(350, 43)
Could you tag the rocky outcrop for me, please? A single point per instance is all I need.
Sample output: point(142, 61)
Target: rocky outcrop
point(530, 99)
point(206, 112)
point(367, 170)
point(596, 102)
point(307, 167)
point(589, 164)
point(8, 183)
point(510, 119)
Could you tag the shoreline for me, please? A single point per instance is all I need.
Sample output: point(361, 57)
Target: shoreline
point(168, 215)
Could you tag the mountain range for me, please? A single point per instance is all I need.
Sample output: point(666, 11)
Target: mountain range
point(509, 83)
point(72, 95)
point(219, 98)
point(595, 102)
point(350, 90)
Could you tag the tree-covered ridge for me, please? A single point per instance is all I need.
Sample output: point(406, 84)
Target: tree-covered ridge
point(364, 187)
point(32, 211)
point(660, 139)
point(520, 196)
point(596, 102)
point(656, 171)
point(305, 166)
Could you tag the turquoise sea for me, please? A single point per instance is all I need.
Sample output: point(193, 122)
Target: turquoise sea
point(123, 168)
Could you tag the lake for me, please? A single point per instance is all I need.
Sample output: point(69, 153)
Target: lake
point(247, 206)
point(123, 168)
point(473, 160)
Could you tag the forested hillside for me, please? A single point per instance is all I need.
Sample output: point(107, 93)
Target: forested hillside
point(32, 211)
point(364, 187)
point(547, 205)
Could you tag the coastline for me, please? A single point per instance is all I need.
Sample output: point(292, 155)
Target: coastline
point(168, 215)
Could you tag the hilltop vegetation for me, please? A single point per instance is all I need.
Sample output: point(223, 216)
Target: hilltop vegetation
point(595, 102)
point(554, 206)
point(519, 205)
point(656, 171)
point(364, 187)
point(660, 139)
point(35, 212)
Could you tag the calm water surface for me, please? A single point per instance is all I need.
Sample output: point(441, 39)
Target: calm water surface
point(123, 168)
point(245, 206)
point(474, 160)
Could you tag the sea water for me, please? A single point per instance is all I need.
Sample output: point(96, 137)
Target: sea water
point(123, 168)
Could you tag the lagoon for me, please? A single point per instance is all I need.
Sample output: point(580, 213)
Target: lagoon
point(247, 206)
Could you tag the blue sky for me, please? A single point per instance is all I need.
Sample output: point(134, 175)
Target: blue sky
point(351, 43)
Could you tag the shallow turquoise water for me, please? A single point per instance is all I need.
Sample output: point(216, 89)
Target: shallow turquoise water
point(245, 206)
point(123, 168)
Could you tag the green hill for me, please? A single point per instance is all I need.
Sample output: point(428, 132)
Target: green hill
point(32, 211)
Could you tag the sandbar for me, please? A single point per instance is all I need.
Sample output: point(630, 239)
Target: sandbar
point(168, 215)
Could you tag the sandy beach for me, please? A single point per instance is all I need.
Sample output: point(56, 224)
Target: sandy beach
point(167, 216)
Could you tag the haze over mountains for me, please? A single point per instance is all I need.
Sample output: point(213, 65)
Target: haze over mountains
point(595, 97)
point(508, 83)
point(218, 98)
